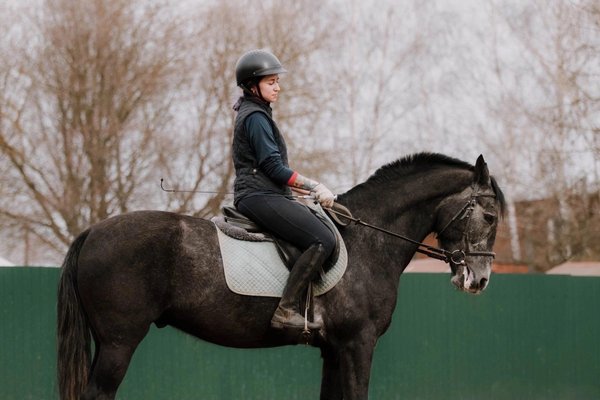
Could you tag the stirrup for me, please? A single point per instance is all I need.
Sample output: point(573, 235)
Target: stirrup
point(293, 321)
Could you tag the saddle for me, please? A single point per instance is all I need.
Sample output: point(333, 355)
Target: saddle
point(257, 263)
point(238, 226)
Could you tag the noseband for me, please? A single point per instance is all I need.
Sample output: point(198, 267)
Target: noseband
point(456, 257)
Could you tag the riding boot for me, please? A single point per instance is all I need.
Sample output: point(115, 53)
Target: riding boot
point(288, 313)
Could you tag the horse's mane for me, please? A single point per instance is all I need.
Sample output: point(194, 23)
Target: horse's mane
point(423, 162)
point(416, 162)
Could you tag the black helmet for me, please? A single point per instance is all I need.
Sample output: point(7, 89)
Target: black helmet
point(257, 63)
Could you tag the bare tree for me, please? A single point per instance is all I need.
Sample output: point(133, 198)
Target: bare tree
point(110, 95)
point(395, 75)
point(297, 38)
point(93, 94)
point(591, 20)
point(200, 160)
point(101, 99)
point(12, 89)
point(545, 105)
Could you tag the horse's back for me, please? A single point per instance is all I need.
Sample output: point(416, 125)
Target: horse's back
point(132, 261)
point(142, 236)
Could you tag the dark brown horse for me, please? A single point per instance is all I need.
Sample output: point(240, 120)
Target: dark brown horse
point(141, 268)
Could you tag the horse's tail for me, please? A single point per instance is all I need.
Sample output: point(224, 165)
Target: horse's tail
point(73, 332)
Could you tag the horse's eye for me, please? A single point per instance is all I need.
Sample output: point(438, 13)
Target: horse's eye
point(490, 218)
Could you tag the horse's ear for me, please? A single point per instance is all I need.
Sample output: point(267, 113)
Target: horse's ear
point(482, 174)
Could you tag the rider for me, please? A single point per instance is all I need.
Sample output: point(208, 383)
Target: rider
point(263, 180)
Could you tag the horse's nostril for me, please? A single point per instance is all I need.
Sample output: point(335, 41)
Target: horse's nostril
point(483, 283)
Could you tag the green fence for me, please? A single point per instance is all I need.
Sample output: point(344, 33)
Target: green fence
point(526, 337)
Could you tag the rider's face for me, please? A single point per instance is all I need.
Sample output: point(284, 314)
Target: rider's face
point(269, 88)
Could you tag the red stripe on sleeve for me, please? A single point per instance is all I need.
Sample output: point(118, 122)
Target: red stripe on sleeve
point(292, 179)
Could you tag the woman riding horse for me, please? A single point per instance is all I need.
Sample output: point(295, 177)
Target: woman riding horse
point(263, 180)
point(128, 272)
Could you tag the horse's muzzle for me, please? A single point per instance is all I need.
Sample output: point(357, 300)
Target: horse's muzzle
point(467, 280)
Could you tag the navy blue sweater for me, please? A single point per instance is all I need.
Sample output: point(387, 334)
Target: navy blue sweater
point(262, 140)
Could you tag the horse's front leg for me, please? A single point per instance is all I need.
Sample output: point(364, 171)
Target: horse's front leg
point(331, 388)
point(355, 360)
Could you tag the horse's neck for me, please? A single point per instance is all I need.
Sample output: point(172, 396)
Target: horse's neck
point(407, 207)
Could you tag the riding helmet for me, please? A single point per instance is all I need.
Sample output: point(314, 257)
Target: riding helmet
point(256, 63)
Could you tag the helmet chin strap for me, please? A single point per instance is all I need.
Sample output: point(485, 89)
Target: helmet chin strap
point(254, 91)
point(258, 93)
point(260, 96)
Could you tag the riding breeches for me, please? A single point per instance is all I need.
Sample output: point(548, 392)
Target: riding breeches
point(288, 219)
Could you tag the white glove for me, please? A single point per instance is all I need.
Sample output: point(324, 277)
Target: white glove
point(323, 195)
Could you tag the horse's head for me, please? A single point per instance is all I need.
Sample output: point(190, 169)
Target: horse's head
point(467, 224)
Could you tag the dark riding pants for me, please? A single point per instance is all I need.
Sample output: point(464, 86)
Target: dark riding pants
point(288, 219)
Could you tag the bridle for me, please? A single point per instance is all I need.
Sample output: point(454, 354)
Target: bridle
point(465, 213)
point(456, 257)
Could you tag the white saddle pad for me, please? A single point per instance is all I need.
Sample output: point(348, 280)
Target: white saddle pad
point(255, 268)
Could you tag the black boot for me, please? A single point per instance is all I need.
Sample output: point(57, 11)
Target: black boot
point(288, 313)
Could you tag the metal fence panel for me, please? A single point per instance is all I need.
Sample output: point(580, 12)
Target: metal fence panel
point(534, 337)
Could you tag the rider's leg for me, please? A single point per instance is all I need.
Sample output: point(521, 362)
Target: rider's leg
point(288, 314)
point(296, 224)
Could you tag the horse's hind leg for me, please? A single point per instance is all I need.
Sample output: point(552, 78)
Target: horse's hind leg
point(108, 372)
point(109, 366)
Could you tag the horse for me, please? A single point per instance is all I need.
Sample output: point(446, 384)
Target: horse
point(154, 267)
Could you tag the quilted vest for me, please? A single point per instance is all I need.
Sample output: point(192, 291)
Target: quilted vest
point(249, 179)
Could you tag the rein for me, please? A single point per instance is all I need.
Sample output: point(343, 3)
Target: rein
point(456, 257)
